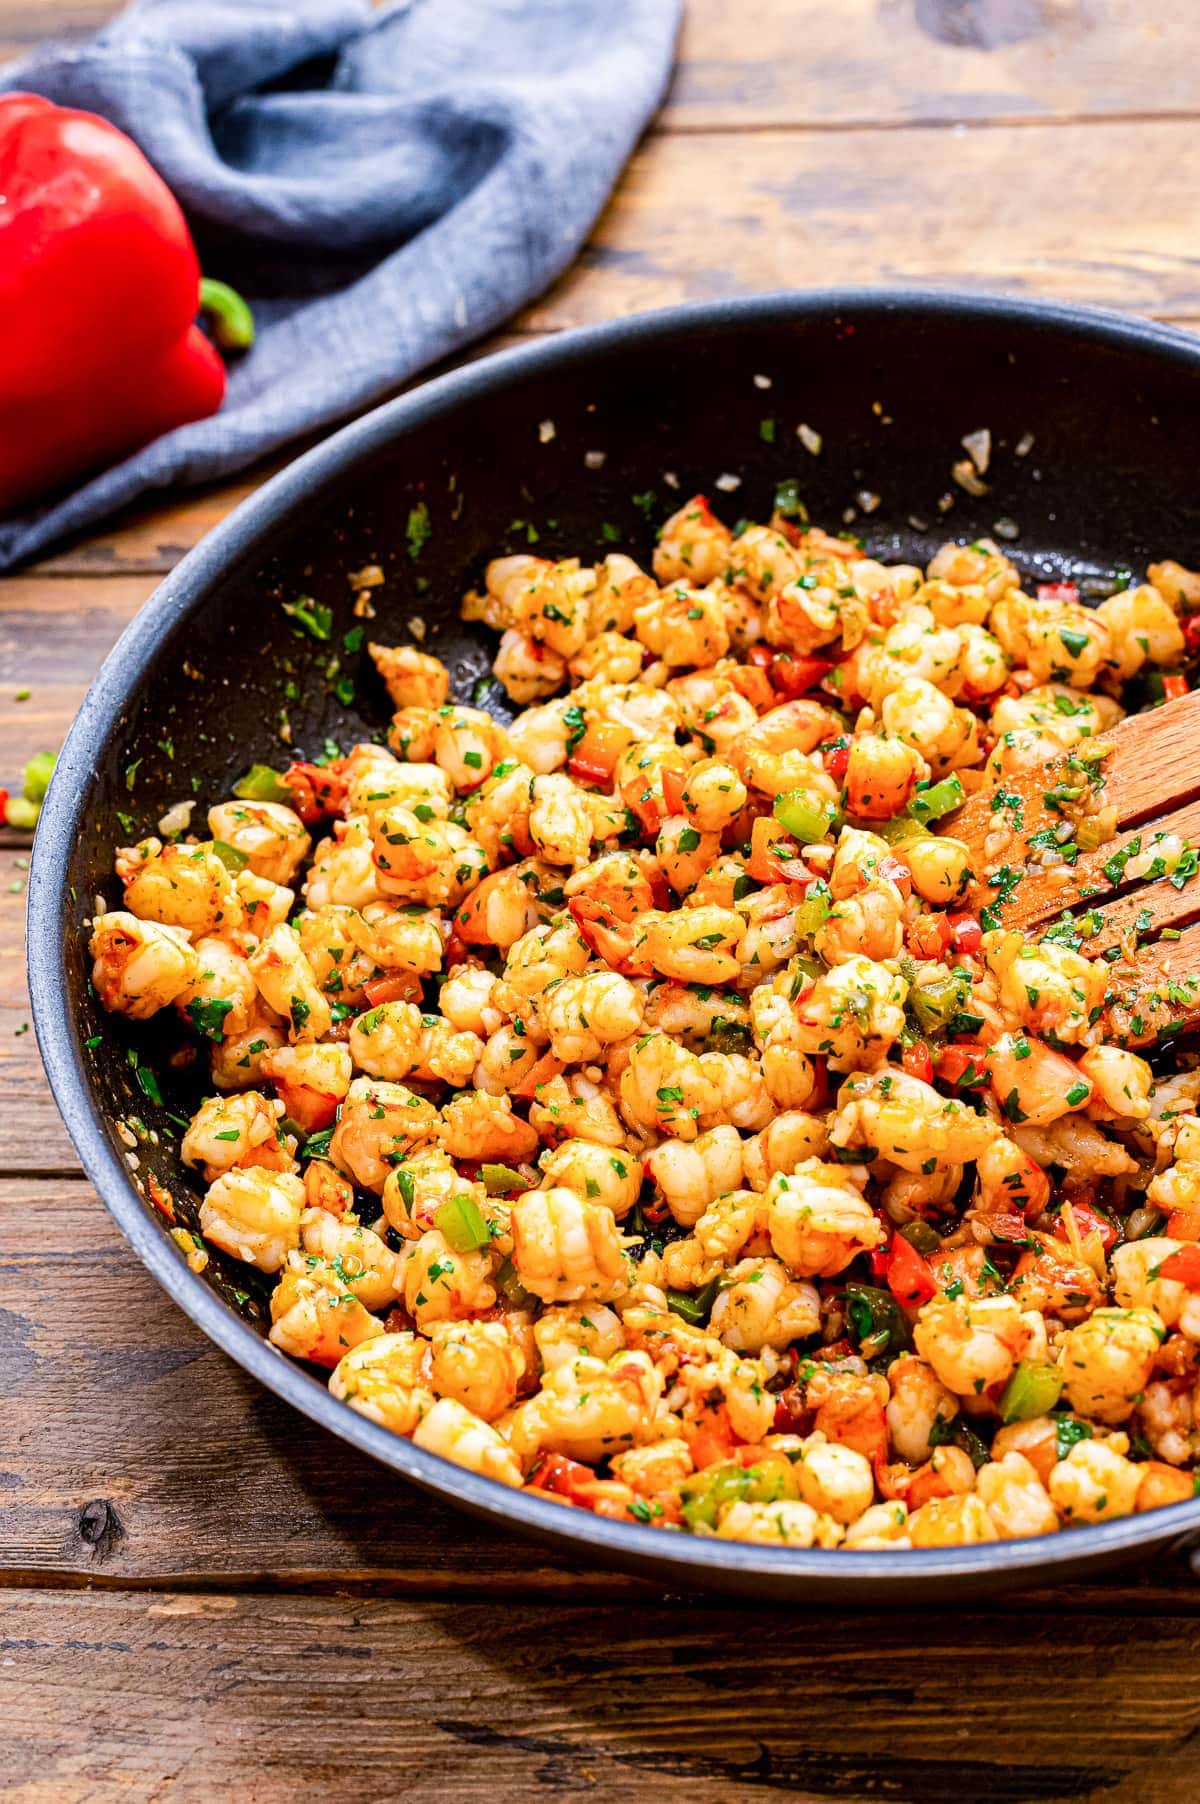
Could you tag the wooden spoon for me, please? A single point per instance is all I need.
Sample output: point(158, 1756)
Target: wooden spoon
point(1152, 779)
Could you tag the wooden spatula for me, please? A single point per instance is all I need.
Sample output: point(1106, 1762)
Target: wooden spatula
point(1152, 778)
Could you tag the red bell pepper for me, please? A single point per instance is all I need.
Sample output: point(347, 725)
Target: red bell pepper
point(910, 1277)
point(968, 934)
point(1088, 1221)
point(1183, 1266)
point(792, 675)
point(99, 290)
point(918, 1061)
point(1183, 1224)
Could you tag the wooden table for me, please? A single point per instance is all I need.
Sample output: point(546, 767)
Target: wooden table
point(203, 1595)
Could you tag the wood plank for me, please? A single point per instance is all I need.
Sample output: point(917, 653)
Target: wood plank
point(804, 62)
point(144, 1695)
point(53, 637)
point(33, 1138)
point(868, 62)
point(102, 1376)
point(711, 215)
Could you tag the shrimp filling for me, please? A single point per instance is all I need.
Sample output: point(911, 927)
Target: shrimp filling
point(626, 1102)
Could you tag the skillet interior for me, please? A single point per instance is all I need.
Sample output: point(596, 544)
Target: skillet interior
point(203, 681)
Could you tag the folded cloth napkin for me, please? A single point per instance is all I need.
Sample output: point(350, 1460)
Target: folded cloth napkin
point(383, 186)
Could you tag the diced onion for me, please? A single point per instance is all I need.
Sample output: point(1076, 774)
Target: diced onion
point(176, 820)
point(978, 447)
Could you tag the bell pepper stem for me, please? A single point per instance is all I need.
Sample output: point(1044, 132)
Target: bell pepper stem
point(227, 315)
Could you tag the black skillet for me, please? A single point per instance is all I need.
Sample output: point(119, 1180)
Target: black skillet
point(571, 446)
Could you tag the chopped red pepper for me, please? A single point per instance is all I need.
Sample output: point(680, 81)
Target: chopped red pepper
point(672, 788)
point(319, 790)
point(99, 350)
point(1183, 1224)
point(585, 771)
point(540, 1072)
point(1183, 1266)
point(963, 1065)
point(563, 1477)
point(1191, 634)
point(1057, 592)
point(792, 1414)
point(794, 676)
point(3, 806)
point(835, 755)
point(968, 934)
point(910, 1277)
point(1174, 686)
point(917, 1060)
point(929, 936)
point(397, 986)
point(1089, 1221)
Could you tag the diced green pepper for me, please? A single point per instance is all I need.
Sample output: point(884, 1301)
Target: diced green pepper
point(901, 830)
point(934, 1005)
point(706, 1493)
point(461, 1222)
point(501, 1180)
point(1033, 1390)
point(511, 1286)
point(36, 776)
point(873, 1311)
point(694, 1309)
point(230, 857)
point(807, 817)
point(919, 1234)
point(262, 784)
point(811, 915)
point(939, 799)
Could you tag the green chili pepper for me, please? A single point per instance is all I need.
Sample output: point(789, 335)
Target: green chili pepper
point(1033, 1390)
point(262, 784)
point(808, 818)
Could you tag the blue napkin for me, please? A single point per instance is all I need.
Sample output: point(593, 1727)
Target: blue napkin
point(383, 186)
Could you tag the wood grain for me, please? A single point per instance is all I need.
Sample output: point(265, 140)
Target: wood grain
point(803, 62)
point(866, 62)
point(273, 1697)
point(103, 1377)
point(202, 1594)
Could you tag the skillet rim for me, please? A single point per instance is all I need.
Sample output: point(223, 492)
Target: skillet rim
point(765, 1572)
